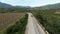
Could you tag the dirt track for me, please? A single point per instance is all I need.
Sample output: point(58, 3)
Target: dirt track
point(33, 27)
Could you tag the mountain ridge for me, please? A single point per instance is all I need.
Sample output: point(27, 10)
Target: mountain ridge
point(50, 6)
point(5, 5)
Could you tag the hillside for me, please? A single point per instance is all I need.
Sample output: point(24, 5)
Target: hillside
point(50, 6)
point(9, 8)
point(22, 6)
point(5, 5)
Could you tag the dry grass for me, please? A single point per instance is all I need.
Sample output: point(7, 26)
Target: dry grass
point(8, 18)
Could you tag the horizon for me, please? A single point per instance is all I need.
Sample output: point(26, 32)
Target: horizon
point(31, 3)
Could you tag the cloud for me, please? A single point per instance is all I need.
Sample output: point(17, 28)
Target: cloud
point(30, 2)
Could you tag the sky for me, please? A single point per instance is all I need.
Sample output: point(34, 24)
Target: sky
point(32, 3)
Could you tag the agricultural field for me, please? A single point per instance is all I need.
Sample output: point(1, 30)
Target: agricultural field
point(49, 20)
point(19, 27)
point(7, 19)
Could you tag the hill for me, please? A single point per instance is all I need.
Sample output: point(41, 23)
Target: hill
point(5, 5)
point(50, 6)
point(22, 6)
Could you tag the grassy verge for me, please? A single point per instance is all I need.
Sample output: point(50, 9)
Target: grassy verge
point(18, 27)
point(49, 20)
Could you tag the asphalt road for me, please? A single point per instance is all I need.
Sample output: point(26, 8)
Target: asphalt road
point(33, 27)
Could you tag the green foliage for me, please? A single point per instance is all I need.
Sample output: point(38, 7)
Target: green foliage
point(6, 10)
point(49, 20)
point(19, 27)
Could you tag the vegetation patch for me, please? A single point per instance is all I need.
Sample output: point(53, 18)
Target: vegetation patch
point(19, 27)
point(49, 20)
point(12, 10)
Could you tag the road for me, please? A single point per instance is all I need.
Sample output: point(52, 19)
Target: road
point(33, 27)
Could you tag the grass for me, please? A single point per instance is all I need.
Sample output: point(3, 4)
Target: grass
point(49, 20)
point(19, 27)
point(8, 19)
